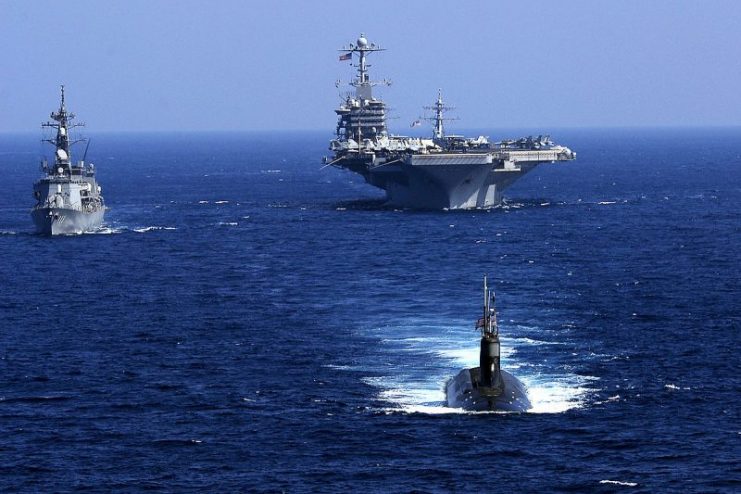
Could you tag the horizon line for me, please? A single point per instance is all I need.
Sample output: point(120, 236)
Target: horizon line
point(462, 129)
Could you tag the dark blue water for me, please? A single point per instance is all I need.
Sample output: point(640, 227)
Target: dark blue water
point(249, 322)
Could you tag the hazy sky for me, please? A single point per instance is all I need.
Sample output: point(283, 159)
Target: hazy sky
point(249, 65)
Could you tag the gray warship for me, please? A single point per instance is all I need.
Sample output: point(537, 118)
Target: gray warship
point(68, 198)
point(442, 172)
point(487, 387)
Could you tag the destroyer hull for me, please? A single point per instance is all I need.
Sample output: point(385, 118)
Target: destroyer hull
point(462, 391)
point(63, 221)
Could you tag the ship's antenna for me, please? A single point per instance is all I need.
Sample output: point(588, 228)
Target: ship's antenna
point(439, 108)
point(63, 124)
point(362, 83)
point(87, 146)
point(486, 303)
point(493, 315)
point(488, 323)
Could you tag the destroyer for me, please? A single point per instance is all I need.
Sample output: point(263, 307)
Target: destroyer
point(68, 198)
point(444, 172)
point(487, 387)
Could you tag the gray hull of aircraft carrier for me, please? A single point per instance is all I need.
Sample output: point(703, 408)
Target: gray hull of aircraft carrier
point(450, 180)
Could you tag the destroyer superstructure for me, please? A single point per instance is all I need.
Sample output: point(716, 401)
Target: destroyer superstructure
point(442, 172)
point(68, 198)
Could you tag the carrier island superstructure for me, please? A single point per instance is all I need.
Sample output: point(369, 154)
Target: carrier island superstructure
point(68, 198)
point(441, 172)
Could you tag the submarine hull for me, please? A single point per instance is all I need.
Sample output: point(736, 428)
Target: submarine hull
point(462, 391)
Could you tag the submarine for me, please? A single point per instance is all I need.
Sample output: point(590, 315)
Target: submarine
point(487, 387)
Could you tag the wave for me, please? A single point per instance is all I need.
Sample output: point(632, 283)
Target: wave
point(618, 482)
point(674, 387)
point(106, 230)
point(153, 228)
point(509, 204)
point(530, 341)
point(610, 399)
point(557, 393)
point(111, 230)
point(419, 387)
point(34, 399)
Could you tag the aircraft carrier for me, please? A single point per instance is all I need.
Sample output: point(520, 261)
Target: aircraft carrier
point(441, 172)
point(68, 198)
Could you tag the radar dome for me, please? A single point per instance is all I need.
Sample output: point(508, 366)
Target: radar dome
point(362, 42)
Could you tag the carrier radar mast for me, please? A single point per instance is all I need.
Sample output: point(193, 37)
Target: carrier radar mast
point(362, 83)
point(439, 108)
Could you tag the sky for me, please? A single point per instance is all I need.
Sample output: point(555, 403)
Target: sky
point(231, 65)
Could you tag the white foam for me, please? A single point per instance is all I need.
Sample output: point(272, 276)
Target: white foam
point(608, 400)
point(605, 203)
point(153, 228)
point(105, 230)
point(530, 341)
point(468, 356)
point(422, 390)
point(428, 409)
point(554, 393)
point(228, 223)
point(674, 387)
point(221, 202)
point(337, 367)
point(618, 482)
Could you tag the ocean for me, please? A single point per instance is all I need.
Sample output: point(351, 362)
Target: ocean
point(248, 321)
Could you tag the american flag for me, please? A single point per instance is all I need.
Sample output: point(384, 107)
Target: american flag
point(346, 56)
